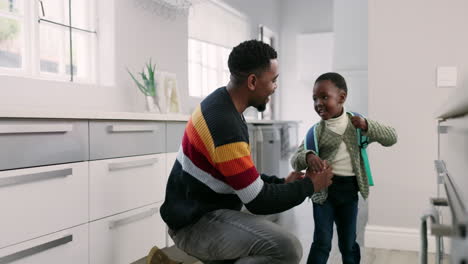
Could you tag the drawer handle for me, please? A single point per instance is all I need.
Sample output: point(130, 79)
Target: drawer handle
point(132, 164)
point(36, 249)
point(131, 128)
point(33, 129)
point(26, 178)
point(133, 218)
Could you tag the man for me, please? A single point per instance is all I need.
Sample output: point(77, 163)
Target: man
point(214, 175)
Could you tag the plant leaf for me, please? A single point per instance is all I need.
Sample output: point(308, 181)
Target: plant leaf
point(139, 85)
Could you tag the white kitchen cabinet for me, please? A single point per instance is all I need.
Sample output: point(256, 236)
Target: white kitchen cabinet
point(126, 237)
point(79, 184)
point(42, 200)
point(68, 246)
point(118, 185)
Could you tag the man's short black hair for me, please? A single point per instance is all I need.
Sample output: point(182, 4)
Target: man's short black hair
point(335, 78)
point(251, 56)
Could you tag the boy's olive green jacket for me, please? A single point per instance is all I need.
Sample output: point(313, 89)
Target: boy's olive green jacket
point(328, 143)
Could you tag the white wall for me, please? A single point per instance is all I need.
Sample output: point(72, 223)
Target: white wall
point(350, 26)
point(142, 34)
point(265, 12)
point(297, 17)
point(407, 40)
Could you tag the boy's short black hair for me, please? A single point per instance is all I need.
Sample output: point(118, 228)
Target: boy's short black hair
point(335, 78)
point(251, 56)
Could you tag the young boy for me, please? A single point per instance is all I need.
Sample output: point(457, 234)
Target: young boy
point(337, 140)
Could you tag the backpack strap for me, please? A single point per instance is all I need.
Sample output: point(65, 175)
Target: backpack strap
point(363, 142)
point(310, 141)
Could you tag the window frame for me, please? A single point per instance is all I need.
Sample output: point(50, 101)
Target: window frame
point(31, 44)
point(205, 67)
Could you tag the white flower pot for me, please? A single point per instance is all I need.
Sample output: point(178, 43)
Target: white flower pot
point(150, 104)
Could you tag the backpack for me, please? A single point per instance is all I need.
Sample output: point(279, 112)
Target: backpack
point(311, 143)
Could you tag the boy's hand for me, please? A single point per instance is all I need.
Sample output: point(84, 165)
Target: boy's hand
point(321, 180)
point(359, 122)
point(314, 163)
point(294, 175)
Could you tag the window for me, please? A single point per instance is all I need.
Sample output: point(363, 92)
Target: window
point(11, 34)
point(269, 37)
point(208, 67)
point(214, 29)
point(61, 42)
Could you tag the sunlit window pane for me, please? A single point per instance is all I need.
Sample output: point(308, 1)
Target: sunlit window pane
point(208, 68)
point(50, 55)
point(11, 6)
point(224, 58)
point(55, 10)
point(211, 56)
point(226, 76)
point(204, 53)
point(81, 15)
point(213, 83)
point(53, 52)
point(195, 79)
point(204, 82)
point(11, 43)
point(195, 51)
point(82, 59)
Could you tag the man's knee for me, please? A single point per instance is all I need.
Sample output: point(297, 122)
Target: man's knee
point(290, 249)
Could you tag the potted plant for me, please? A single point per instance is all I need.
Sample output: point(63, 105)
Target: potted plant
point(148, 86)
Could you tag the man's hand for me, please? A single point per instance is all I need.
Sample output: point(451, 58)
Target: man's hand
point(321, 180)
point(359, 122)
point(294, 175)
point(314, 163)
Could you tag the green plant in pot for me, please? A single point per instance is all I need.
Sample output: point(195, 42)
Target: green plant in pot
point(148, 86)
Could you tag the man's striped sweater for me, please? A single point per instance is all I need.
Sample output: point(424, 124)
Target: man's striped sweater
point(214, 169)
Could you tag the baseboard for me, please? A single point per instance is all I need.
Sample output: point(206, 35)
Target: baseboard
point(407, 239)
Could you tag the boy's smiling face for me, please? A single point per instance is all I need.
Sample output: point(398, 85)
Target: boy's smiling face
point(328, 99)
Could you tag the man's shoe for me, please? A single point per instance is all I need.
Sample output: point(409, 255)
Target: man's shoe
point(157, 256)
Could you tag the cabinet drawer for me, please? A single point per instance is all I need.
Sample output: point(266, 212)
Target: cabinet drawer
point(112, 139)
point(127, 237)
point(28, 143)
point(42, 200)
point(68, 246)
point(175, 133)
point(118, 185)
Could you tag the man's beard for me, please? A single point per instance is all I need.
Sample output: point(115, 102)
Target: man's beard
point(261, 107)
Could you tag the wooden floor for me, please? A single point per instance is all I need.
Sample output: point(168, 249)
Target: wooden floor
point(372, 256)
point(384, 256)
point(299, 221)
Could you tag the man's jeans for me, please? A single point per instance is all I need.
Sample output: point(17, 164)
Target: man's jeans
point(227, 236)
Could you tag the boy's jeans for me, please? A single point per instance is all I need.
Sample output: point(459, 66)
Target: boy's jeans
point(227, 236)
point(340, 207)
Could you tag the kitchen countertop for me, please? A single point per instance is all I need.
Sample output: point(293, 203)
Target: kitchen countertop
point(456, 105)
point(99, 115)
point(103, 115)
point(269, 122)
